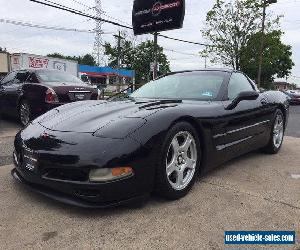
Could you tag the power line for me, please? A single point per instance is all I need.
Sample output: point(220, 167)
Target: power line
point(104, 13)
point(80, 13)
point(42, 26)
point(82, 4)
point(184, 41)
point(180, 52)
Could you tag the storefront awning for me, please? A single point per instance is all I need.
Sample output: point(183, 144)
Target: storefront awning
point(95, 71)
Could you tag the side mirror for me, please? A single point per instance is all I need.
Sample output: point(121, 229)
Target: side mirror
point(243, 96)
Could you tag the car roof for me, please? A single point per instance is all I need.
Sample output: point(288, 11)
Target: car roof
point(225, 70)
point(228, 70)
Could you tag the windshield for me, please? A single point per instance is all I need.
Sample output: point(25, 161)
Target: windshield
point(57, 76)
point(200, 85)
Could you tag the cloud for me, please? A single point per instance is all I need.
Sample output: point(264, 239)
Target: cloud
point(39, 41)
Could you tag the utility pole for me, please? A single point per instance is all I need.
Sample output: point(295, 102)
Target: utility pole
point(155, 56)
point(262, 41)
point(119, 37)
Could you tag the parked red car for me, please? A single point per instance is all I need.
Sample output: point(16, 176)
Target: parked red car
point(29, 93)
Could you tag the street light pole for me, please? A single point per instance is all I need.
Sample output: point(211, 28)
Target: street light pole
point(262, 42)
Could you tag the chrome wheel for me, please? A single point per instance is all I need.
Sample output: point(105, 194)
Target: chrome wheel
point(278, 131)
point(24, 113)
point(181, 160)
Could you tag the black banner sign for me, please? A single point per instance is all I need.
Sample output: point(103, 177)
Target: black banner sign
point(157, 15)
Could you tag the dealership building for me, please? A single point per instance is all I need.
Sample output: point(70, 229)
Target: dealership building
point(104, 75)
point(4, 63)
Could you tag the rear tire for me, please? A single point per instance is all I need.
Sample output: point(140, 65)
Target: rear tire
point(178, 162)
point(277, 133)
point(24, 112)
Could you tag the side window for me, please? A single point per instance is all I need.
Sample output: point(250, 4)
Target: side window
point(8, 80)
point(21, 77)
point(237, 84)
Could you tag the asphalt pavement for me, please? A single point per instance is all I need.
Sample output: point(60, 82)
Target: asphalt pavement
point(254, 192)
point(293, 128)
point(8, 130)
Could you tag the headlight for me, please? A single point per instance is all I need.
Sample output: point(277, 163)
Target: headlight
point(109, 174)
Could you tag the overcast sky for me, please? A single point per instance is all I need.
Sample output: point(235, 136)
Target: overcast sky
point(42, 42)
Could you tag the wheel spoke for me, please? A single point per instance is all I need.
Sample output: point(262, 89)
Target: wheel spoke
point(190, 163)
point(179, 180)
point(171, 167)
point(175, 145)
point(187, 143)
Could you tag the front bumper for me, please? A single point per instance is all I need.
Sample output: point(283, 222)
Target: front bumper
point(65, 159)
point(67, 199)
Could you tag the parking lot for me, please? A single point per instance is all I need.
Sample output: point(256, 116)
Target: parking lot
point(254, 192)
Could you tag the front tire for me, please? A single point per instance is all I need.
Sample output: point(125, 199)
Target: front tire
point(277, 133)
point(24, 112)
point(179, 162)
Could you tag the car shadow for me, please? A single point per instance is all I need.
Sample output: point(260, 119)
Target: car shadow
point(230, 163)
point(154, 202)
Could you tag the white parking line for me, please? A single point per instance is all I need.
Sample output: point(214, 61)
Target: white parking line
point(295, 176)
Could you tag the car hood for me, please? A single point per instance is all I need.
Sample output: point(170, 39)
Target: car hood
point(90, 116)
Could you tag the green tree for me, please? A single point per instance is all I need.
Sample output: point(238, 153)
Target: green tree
point(87, 59)
point(229, 26)
point(137, 58)
point(143, 57)
point(57, 55)
point(127, 54)
point(277, 61)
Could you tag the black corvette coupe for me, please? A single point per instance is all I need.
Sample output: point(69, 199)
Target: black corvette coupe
point(158, 139)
